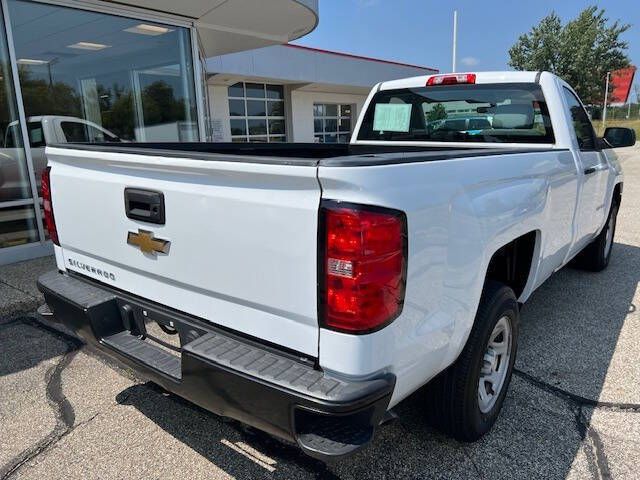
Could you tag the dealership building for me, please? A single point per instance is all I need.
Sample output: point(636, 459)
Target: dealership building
point(293, 93)
point(158, 70)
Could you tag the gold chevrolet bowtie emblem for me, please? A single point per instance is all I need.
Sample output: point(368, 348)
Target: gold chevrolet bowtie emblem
point(145, 241)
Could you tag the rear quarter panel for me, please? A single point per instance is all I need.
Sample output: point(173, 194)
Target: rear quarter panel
point(459, 212)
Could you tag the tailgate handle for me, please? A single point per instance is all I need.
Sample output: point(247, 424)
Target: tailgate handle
point(144, 205)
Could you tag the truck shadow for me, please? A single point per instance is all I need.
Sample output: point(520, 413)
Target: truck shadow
point(569, 333)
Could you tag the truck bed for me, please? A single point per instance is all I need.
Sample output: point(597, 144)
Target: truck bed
point(235, 233)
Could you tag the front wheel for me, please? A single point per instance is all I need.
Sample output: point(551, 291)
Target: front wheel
point(465, 400)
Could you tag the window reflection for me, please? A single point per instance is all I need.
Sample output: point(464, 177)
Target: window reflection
point(17, 226)
point(85, 77)
point(100, 77)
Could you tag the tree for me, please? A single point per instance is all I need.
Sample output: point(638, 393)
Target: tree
point(438, 112)
point(160, 104)
point(43, 97)
point(118, 111)
point(581, 52)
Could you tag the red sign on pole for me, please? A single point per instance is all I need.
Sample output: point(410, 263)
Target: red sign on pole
point(621, 81)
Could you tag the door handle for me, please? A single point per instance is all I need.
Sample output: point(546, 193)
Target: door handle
point(144, 205)
point(590, 170)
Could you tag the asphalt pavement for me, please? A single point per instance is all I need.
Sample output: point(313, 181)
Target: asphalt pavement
point(573, 409)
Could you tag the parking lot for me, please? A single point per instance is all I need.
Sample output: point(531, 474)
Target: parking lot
point(573, 410)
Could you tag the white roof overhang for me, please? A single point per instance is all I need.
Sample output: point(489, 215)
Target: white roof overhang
point(226, 26)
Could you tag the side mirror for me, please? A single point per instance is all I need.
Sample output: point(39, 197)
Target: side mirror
point(618, 137)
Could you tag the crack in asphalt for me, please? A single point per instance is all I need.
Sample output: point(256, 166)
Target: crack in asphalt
point(473, 462)
point(596, 456)
point(572, 397)
point(63, 411)
point(23, 307)
point(50, 441)
point(29, 294)
point(10, 322)
point(62, 408)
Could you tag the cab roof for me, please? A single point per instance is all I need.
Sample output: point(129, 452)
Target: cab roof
point(481, 77)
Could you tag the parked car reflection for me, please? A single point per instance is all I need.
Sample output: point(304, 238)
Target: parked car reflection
point(43, 130)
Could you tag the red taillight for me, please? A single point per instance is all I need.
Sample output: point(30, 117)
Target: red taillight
point(452, 79)
point(49, 220)
point(363, 269)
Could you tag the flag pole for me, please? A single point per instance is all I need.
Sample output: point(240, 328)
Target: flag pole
point(606, 98)
point(455, 40)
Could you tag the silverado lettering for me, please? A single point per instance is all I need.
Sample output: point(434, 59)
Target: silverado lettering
point(90, 269)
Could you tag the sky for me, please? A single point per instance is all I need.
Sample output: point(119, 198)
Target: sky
point(420, 31)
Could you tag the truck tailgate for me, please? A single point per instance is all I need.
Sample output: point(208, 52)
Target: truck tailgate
point(243, 237)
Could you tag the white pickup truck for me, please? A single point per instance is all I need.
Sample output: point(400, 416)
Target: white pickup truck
point(310, 288)
point(42, 130)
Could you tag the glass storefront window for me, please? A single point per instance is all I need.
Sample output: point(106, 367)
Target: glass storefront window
point(257, 112)
point(331, 123)
point(85, 76)
point(93, 77)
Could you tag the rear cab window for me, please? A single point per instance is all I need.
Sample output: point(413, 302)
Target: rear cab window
point(494, 113)
point(76, 132)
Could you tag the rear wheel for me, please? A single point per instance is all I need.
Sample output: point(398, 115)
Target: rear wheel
point(465, 400)
point(595, 256)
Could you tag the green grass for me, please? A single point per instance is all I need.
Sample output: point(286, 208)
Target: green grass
point(635, 124)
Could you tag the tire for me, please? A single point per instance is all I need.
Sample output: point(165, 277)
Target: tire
point(454, 404)
point(595, 256)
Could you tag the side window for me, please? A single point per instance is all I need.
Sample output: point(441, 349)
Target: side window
point(95, 135)
point(74, 132)
point(581, 123)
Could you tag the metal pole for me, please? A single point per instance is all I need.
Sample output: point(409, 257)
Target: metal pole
point(22, 117)
point(455, 40)
point(606, 98)
point(200, 79)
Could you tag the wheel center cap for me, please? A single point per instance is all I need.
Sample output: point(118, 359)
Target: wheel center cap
point(490, 361)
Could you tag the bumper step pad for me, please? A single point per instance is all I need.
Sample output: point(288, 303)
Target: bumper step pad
point(145, 352)
point(258, 362)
